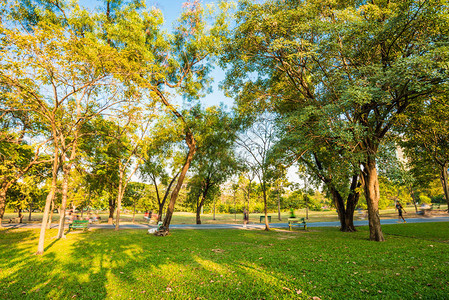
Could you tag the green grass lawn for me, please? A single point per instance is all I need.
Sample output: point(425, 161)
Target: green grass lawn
point(228, 264)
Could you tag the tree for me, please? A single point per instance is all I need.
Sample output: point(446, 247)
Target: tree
point(17, 155)
point(180, 62)
point(52, 67)
point(214, 162)
point(350, 69)
point(426, 138)
point(131, 139)
point(133, 195)
point(256, 144)
point(163, 159)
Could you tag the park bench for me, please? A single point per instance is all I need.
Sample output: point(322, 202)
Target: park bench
point(262, 219)
point(79, 224)
point(296, 222)
point(425, 211)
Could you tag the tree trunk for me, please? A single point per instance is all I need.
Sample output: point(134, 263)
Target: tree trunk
point(413, 195)
point(65, 189)
point(167, 192)
point(279, 205)
point(119, 198)
point(351, 203)
point(267, 226)
point(20, 215)
point(444, 183)
point(198, 214)
point(371, 188)
point(249, 197)
point(48, 201)
point(50, 217)
point(214, 210)
point(339, 205)
point(174, 195)
point(134, 210)
point(2, 205)
point(31, 208)
point(111, 210)
point(160, 212)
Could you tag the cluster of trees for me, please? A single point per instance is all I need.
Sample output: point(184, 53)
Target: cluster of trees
point(90, 99)
point(344, 78)
point(93, 95)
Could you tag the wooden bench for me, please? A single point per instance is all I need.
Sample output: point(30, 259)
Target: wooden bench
point(79, 224)
point(297, 222)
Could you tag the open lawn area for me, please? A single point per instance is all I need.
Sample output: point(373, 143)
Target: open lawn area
point(228, 264)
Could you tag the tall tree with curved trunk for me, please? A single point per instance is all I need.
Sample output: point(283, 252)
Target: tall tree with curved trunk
point(162, 63)
point(215, 161)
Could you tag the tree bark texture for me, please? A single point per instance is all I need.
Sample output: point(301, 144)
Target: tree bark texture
point(345, 214)
point(174, 195)
point(119, 198)
point(65, 189)
point(48, 201)
point(2, 205)
point(111, 210)
point(279, 204)
point(198, 215)
point(50, 217)
point(371, 188)
point(31, 209)
point(267, 226)
point(444, 183)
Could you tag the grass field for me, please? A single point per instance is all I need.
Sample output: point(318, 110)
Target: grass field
point(228, 264)
point(189, 218)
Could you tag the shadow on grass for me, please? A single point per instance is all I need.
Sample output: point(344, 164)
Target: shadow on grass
point(221, 264)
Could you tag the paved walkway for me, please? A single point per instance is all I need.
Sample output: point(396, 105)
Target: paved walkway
point(238, 226)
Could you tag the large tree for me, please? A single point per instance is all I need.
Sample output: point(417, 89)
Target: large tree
point(163, 159)
point(349, 68)
point(215, 161)
point(179, 63)
point(426, 139)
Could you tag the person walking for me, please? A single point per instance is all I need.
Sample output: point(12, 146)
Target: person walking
point(400, 210)
point(245, 218)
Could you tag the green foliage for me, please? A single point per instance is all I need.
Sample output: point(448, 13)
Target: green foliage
point(215, 161)
point(424, 199)
point(338, 74)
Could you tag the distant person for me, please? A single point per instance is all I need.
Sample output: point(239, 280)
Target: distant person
point(400, 210)
point(245, 218)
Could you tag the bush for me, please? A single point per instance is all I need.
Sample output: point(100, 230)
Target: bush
point(424, 199)
point(438, 199)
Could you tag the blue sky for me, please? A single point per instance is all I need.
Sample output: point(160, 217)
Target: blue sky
point(171, 10)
